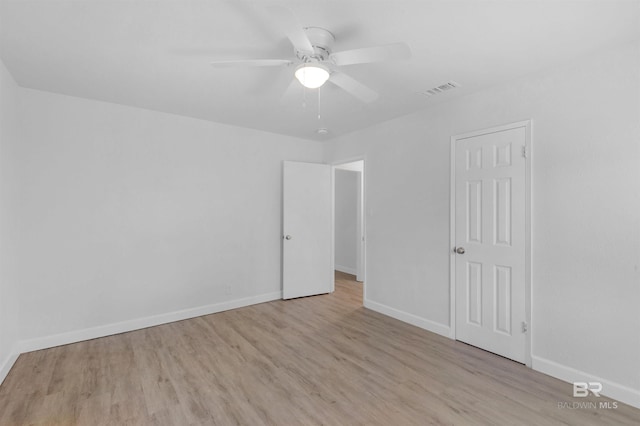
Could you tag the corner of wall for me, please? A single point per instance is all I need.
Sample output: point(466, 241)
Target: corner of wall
point(8, 133)
point(7, 364)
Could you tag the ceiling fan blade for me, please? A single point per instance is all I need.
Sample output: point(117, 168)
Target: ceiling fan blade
point(251, 63)
point(353, 87)
point(366, 55)
point(290, 95)
point(285, 18)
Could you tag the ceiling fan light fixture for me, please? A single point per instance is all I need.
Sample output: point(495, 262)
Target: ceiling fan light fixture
point(312, 75)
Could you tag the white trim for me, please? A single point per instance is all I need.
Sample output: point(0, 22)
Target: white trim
point(359, 229)
point(332, 253)
point(527, 124)
point(452, 240)
point(363, 256)
point(139, 323)
point(528, 244)
point(495, 129)
point(8, 363)
point(423, 323)
point(346, 269)
point(610, 389)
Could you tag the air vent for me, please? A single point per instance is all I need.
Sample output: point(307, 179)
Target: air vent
point(442, 88)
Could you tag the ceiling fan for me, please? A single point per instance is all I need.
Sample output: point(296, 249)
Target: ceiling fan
point(315, 61)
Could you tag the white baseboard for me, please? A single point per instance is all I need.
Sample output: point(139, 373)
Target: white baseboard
point(125, 326)
point(426, 324)
point(346, 269)
point(611, 389)
point(5, 367)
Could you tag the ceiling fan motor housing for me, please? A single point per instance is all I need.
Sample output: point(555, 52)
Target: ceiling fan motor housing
point(322, 41)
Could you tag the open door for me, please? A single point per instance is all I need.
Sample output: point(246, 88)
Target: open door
point(307, 229)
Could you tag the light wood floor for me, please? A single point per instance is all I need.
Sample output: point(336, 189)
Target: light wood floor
point(316, 360)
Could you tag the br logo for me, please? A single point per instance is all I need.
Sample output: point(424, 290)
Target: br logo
point(582, 389)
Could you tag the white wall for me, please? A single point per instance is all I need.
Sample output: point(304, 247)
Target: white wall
point(128, 213)
point(346, 220)
point(586, 212)
point(8, 285)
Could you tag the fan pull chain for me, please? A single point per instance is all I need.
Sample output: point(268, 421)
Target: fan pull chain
point(318, 104)
point(304, 97)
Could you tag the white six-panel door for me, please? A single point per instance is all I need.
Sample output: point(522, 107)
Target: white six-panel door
point(307, 224)
point(490, 238)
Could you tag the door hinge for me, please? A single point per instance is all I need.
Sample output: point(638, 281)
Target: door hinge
point(525, 327)
point(524, 152)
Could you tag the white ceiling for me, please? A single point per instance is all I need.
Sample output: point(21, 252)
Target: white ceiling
point(156, 54)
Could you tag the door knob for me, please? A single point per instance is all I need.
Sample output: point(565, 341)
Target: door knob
point(287, 237)
point(460, 250)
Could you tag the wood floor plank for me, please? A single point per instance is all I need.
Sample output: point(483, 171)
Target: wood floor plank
point(322, 360)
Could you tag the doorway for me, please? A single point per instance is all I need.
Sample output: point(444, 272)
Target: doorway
point(349, 222)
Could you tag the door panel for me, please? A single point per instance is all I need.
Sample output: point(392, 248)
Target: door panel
point(490, 227)
point(502, 293)
point(474, 293)
point(474, 211)
point(307, 226)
